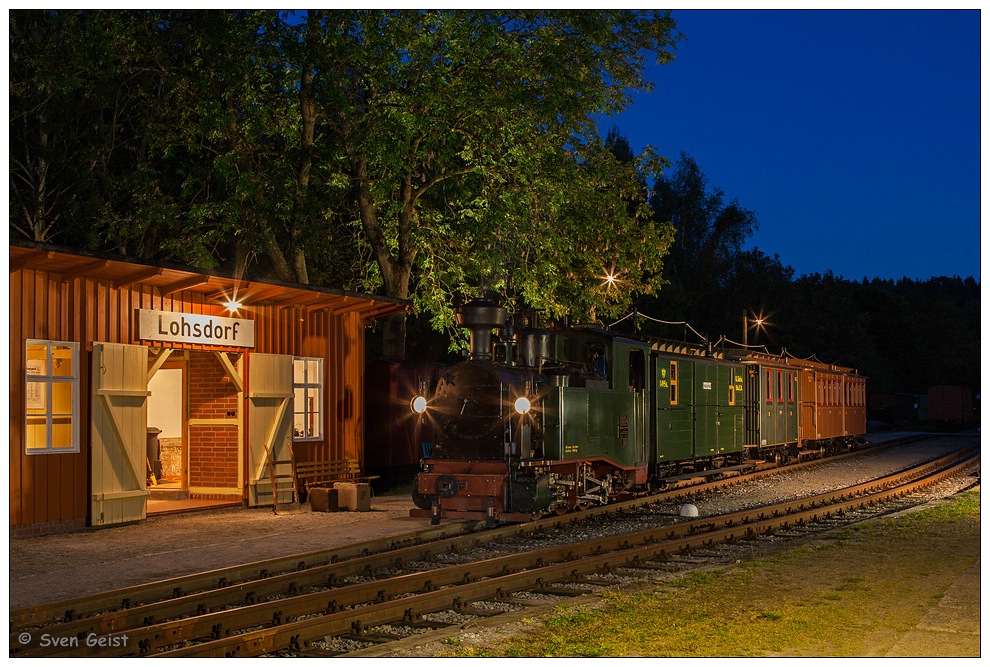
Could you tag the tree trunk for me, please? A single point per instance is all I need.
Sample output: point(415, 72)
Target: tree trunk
point(307, 140)
point(281, 265)
point(396, 269)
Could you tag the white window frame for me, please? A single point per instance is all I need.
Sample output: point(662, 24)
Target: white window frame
point(307, 385)
point(39, 384)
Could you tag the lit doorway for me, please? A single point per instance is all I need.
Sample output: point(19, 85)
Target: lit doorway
point(166, 423)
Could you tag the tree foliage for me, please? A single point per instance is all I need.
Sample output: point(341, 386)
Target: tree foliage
point(424, 154)
point(708, 251)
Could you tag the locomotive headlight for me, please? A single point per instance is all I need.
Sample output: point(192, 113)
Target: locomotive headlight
point(522, 405)
point(418, 405)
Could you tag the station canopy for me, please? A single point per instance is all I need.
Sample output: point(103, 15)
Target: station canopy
point(123, 272)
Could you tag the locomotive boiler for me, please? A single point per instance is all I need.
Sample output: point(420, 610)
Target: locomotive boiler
point(537, 421)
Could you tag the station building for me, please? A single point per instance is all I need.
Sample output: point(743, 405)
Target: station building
point(129, 379)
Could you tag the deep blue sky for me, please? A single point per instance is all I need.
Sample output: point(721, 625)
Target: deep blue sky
point(853, 135)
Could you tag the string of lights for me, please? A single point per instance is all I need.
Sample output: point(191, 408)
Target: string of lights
point(636, 314)
point(723, 340)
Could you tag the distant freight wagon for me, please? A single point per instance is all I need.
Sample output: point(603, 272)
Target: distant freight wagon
point(951, 405)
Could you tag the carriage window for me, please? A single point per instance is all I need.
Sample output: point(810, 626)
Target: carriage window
point(52, 397)
point(732, 394)
point(780, 386)
point(790, 386)
point(673, 383)
point(307, 404)
point(637, 371)
point(769, 386)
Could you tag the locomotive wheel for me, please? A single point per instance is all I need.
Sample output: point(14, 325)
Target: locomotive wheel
point(423, 502)
point(419, 500)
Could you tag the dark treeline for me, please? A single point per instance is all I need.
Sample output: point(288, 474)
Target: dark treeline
point(906, 335)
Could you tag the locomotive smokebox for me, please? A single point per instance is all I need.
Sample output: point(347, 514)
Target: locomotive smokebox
point(480, 317)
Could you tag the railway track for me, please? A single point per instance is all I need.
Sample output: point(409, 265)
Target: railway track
point(291, 606)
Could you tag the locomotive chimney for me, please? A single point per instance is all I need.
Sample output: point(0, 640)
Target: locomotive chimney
point(480, 317)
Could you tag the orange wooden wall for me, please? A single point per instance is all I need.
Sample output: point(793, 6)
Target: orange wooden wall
point(49, 492)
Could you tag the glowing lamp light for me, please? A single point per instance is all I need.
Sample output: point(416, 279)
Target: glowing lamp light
point(418, 405)
point(232, 305)
point(522, 405)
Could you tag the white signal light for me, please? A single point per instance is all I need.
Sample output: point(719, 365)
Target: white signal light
point(418, 405)
point(522, 405)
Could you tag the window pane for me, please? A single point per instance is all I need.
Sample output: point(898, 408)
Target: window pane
point(37, 398)
point(298, 371)
point(37, 433)
point(61, 398)
point(313, 407)
point(62, 433)
point(299, 412)
point(37, 359)
point(62, 361)
point(313, 375)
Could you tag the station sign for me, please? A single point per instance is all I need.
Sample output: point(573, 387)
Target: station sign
point(169, 327)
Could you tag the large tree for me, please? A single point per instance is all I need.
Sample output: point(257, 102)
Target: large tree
point(82, 97)
point(425, 154)
point(469, 141)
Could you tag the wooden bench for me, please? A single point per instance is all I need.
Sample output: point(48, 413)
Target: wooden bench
point(311, 474)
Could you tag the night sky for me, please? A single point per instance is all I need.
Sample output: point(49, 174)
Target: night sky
point(853, 135)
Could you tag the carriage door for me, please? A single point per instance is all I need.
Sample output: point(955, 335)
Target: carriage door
point(119, 428)
point(753, 406)
point(269, 422)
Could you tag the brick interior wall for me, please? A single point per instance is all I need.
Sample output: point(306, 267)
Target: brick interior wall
point(212, 447)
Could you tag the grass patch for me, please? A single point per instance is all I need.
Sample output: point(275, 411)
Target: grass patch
point(837, 597)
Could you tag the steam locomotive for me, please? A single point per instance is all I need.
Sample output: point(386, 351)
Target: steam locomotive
point(539, 421)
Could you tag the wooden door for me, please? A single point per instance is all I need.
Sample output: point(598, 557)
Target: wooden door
point(119, 434)
point(269, 423)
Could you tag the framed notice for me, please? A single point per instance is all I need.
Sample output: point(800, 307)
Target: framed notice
point(36, 390)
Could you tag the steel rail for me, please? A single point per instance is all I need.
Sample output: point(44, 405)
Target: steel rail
point(168, 589)
point(501, 576)
point(142, 604)
point(139, 622)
